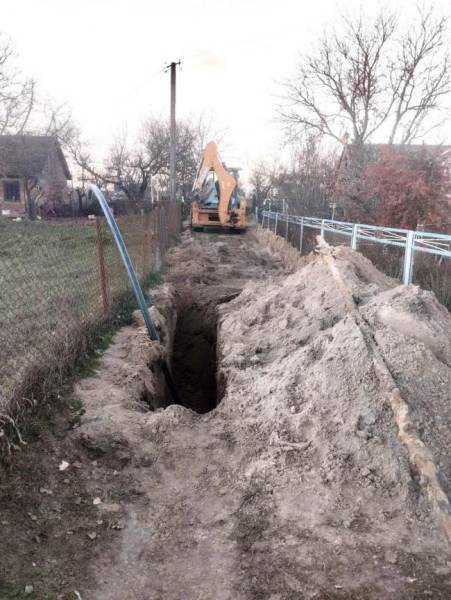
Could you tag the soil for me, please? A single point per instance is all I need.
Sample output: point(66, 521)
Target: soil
point(309, 458)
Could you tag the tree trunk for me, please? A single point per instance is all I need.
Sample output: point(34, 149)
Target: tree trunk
point(29, 201)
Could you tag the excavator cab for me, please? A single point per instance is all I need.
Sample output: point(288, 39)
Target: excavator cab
point(215, 198)
point(208, 196)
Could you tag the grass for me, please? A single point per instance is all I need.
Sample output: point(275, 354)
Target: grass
point(48, 283)
point(51, 308)
point(18, 593)
point(58, 400)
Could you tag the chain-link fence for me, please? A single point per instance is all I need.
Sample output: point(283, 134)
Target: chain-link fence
point(58, 282)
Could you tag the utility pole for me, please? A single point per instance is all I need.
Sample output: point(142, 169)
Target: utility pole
point(172, 176)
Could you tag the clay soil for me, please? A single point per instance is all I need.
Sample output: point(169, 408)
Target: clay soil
point(309, 457)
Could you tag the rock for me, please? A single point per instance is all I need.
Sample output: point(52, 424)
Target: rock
point(29, 589)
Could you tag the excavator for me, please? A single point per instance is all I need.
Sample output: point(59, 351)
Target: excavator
point(215, 200)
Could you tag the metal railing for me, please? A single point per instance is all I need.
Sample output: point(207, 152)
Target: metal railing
point(412, 241)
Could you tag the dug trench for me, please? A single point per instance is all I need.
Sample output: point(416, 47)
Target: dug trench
point(308, 458)
point(193, 356)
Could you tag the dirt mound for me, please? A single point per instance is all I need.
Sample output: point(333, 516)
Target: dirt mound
point(344, 380)
point(323, 471)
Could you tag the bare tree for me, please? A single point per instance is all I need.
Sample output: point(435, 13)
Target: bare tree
point(17, 94)
point(205, 131)
point(306, 184)
point(420, 78)
point(262, 179)
point(55, 120)
point(131, 165)
point(368, 78)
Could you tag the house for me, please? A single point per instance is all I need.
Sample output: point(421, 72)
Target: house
point(33, 175)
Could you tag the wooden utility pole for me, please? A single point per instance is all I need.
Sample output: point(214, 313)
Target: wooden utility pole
point(172, 176)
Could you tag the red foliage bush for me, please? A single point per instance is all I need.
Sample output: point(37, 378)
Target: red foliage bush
point(408, 188)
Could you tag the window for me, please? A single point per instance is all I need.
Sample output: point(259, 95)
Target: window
point(11, 191)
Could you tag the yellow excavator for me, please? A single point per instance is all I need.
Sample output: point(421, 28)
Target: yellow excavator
point(215, 200)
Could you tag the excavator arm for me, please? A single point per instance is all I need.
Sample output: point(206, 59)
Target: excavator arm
point(226, 181)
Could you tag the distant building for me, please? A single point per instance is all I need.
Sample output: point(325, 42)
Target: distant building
point(33, 175)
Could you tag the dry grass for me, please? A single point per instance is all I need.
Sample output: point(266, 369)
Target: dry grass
point(291, 257)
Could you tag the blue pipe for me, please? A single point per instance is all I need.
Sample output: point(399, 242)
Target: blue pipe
point(151, 329)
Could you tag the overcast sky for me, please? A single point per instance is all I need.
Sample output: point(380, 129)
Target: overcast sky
point(106, 59)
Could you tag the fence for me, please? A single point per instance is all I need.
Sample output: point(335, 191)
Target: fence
point(411, 243)
point(58, 282)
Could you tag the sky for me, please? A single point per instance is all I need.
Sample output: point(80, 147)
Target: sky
point(106, 59)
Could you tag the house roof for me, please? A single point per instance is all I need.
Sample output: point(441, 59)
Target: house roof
point(27, 155)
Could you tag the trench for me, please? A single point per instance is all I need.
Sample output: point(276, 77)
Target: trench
point(194, 357)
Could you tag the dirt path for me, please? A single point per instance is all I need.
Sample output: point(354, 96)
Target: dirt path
point(178, 539)
point(285, 475)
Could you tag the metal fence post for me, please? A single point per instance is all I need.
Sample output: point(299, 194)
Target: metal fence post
point(409, 254)
point(102, 271)
point(286, 230)
point(322, 228)
point(256, 216)
point(354, 236)
point(301, 235)
point(275, 224)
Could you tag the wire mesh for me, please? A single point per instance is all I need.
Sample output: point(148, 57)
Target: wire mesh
point(58, 282)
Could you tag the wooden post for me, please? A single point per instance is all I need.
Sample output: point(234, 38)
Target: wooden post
point(102, 271)
point(161, 235)
point(154, 239)
point(145, 269)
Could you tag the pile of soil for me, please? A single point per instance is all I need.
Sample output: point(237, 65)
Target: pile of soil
point(349, 407)
point(309, 458)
